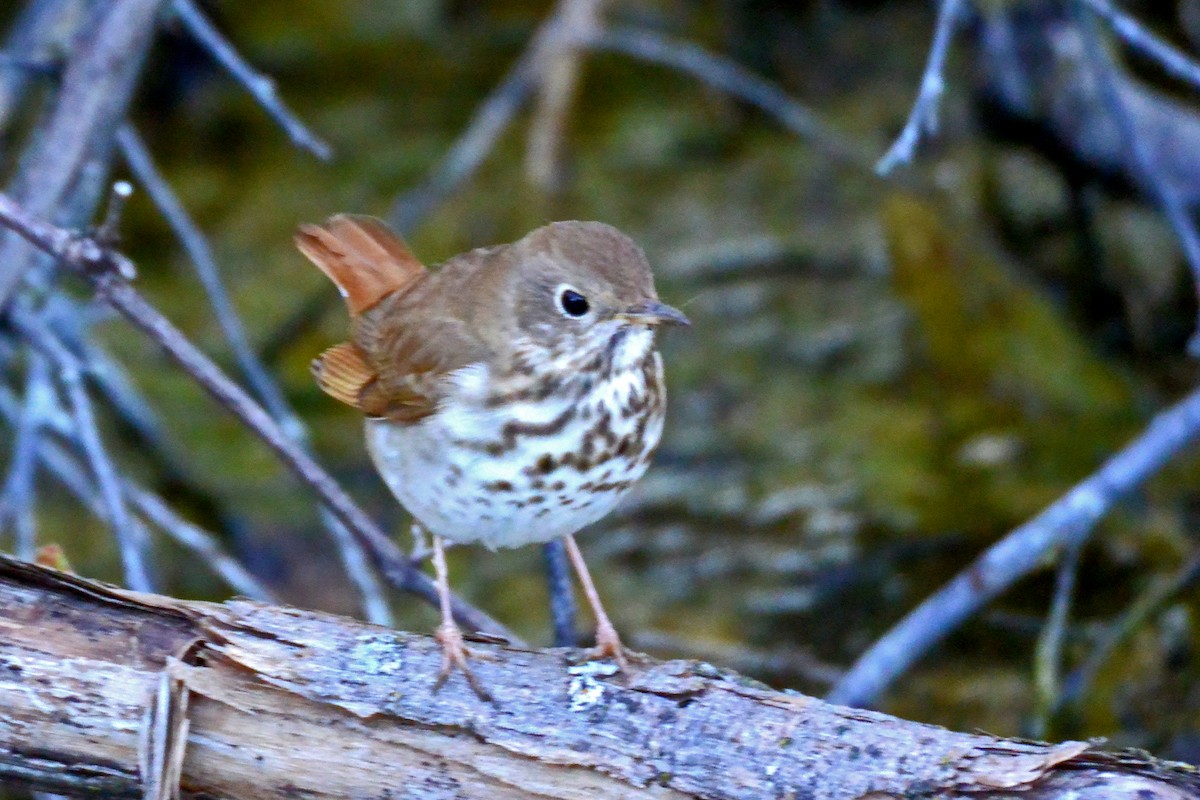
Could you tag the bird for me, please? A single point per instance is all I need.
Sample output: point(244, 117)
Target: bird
point(511, 396)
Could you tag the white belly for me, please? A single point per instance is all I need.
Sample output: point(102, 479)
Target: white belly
point(468, 478)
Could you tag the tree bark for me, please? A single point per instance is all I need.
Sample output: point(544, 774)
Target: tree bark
point(108, 691)
point(61, 173)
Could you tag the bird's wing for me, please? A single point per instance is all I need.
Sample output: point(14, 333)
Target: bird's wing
point(414, 356)
point(407, 337)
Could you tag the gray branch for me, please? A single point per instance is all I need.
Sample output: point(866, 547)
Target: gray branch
point(260, 86)
point(109, 272)
point(61, 172)
point(923, 118)
point(276, 702)
point(732, 78)
point(130, 545)
point(1066, 523)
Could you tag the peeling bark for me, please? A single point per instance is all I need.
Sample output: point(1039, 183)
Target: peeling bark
point(101, 688)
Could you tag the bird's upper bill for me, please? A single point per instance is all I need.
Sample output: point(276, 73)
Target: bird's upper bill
point(652, 312)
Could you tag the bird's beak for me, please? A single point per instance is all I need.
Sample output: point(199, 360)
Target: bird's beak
point(652, 312)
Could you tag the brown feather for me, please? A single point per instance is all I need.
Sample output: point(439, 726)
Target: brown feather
point(343, 373)
point(412, 329)
point(413, 351)
point(364, 259)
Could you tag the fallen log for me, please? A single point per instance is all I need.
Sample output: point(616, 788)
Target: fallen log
point(125, 694)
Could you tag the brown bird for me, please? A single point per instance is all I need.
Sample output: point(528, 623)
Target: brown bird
point(512, 396)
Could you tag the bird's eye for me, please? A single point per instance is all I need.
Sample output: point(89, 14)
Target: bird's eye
point(573, 303)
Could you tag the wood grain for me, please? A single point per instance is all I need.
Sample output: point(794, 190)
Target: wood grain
point(279, 702)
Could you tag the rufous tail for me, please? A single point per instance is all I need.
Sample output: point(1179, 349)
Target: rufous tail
point(361, 255)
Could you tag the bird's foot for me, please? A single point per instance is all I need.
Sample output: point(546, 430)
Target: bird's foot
point(608, 645)
point(454, 656)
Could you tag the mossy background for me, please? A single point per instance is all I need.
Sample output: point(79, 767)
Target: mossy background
point(880, 381)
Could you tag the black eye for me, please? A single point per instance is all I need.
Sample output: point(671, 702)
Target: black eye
point(573, 303)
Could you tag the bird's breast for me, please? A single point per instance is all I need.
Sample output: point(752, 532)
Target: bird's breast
point(514, 459)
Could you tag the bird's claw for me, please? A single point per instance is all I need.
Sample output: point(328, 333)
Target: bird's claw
point(454, 656)
point(608, 645)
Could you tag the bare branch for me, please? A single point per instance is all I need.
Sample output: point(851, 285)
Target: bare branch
point(1067, 522)
point(1175, 62)
point(68, 471)
point(1164, 192)
point(579, 21)
point(107, 270)
point(1147, 603)
point(137, 156)
point(1047, 660)
point(36, 39)
point(360, 720)
point(923, 118)
point(198, 541)
point(130, 545)
point(59, 175)
point(727, 76)
point(108, 231)
point(469, 150)
point(17, 498)
point(490, 120)
point(357, 565)
point(261, 87)
point(195, 244)
point(563, 611)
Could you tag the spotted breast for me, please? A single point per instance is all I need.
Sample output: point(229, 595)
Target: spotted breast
point(512, 396)
point(530, 455)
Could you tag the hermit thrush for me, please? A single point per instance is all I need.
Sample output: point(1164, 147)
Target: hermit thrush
point(512, 396)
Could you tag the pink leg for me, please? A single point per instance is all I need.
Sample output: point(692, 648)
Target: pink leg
point(454, 652)
point(607, 641)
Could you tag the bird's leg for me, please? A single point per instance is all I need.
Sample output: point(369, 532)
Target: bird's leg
point(454, 652)
point(421, 547)
point(607, 641)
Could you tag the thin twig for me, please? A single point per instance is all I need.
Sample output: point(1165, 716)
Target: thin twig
point(1047, 663)
point(194, 242)
point(559, 80)
point(1146, 604)
point(108, 376)
point(489, 121)
point(261, 87)
point(18, 497)
point(357, 565)
point(108, 271)
point(470, 149)
point(923, 118)
point(109, 231)
point(1067, 522)
point(58, 174)
point(69, 472)
point(32, 49)
point(198, 541)
point(1164, 192)
point(563, 611)
point(734, 79)
point(1175, 62)
point(110, 379)
point(129, 543)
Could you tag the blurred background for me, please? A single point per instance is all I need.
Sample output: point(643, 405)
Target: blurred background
point(885, 375)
